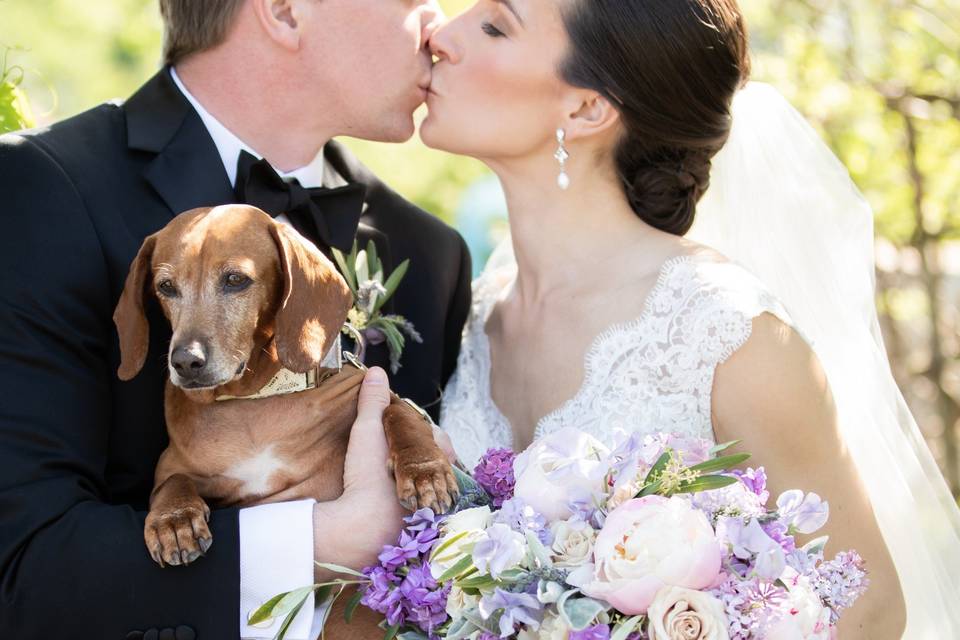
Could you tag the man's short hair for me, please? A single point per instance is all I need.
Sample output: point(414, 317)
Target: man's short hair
point(191, 26)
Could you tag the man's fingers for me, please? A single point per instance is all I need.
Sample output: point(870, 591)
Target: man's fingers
point(368, 444)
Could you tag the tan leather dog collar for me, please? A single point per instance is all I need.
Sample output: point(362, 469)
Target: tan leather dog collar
point(287, 381)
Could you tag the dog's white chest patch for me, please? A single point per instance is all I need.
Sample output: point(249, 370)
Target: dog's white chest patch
point(255, 472)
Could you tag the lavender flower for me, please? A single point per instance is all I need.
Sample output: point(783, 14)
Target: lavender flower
point(495, 474)
point(596, 632)
point(517, 609)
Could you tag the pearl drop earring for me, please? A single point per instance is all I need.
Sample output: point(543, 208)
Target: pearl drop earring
point(563, 180)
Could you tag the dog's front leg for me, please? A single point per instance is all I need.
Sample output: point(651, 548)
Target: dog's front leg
point(176, 529)
point(421, 468)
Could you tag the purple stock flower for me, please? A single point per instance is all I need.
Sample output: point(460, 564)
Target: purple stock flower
point(596, 632)
point(494, 473)
point(756, 481)
point(516, 608)
point(424, 603)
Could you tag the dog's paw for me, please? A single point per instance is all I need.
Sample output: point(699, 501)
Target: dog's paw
point(425, 481)
point(178, 534)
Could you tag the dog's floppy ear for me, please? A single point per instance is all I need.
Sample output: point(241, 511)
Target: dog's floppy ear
point(313, 305)
point(129, 316)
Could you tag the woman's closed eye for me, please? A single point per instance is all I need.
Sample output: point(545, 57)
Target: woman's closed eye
point(491, 30)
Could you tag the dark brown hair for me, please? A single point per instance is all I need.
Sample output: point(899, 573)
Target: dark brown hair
point(192, 26)
point(671, 68)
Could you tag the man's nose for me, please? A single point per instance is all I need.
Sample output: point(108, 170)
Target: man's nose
point(431, 19)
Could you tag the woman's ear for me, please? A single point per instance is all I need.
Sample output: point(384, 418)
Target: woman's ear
point(591, 116)
point(281, 21)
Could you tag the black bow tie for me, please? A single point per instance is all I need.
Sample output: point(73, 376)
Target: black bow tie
point(331, 214)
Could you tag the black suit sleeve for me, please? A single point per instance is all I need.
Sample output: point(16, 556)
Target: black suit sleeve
point(71, 564)
point(457, 314)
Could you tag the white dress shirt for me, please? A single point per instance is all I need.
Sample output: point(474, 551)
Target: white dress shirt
point(276, 540)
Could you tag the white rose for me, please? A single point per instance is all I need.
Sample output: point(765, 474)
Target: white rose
point(804, 617)
point(459, 534)
point(560, 468)
point(683, 614)
point(572, 542)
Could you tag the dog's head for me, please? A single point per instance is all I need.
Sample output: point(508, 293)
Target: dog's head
point(229, 279)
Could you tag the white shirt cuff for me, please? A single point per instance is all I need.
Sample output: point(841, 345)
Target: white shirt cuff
point(276, 555)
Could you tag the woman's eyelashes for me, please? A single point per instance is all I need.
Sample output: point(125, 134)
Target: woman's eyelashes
point(491, 30)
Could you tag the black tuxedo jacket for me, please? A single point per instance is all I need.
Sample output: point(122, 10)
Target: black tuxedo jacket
point(77, 446)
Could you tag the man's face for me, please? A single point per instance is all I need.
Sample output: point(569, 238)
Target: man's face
point(373, 54)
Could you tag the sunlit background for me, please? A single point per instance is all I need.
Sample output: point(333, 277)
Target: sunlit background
point(879, 79)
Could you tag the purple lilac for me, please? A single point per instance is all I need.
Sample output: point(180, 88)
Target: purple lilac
point(495, 474)
point(750, 606)
point(840, 581)
point(596, 632)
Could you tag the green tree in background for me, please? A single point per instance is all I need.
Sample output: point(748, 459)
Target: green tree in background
point(15, 111)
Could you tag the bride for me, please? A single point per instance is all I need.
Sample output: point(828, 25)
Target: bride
point(603, 120)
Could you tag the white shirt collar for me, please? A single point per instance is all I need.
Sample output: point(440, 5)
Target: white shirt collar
point(229, 146)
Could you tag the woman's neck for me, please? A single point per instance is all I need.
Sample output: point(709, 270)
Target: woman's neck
point(565, 240)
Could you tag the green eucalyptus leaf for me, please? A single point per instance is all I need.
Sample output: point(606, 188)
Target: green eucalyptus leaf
point(659, 466)
point(816, 545)
point(347, 273)
point(265, 611)
point(707, 483)
point(391, 632)
point(336, 568)
point(289, 620)
point(720, 448)
point(461, 566)
point(721, 464)
point(352, 604)
point(373, 261)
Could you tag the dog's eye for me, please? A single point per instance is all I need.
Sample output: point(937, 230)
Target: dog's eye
point(235, 281)
point(167, 289)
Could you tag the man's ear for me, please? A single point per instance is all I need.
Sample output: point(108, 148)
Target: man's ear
point(281, 20)
point(591, 115)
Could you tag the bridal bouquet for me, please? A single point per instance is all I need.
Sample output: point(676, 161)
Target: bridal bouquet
point(655, 539)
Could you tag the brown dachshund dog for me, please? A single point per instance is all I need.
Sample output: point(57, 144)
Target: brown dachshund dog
point(253, 306)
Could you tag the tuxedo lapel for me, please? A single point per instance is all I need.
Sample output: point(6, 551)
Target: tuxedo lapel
point(187, 171)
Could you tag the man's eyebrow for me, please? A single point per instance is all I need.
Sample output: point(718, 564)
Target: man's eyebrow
point(513, 9)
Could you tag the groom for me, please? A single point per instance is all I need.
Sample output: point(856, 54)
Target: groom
point(244, 80)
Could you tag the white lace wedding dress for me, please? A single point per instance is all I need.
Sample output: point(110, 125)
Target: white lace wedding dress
point(651, 374)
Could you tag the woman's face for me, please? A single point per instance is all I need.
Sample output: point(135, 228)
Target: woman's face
point(496, 92)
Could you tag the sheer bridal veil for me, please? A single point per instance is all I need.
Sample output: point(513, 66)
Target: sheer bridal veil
point(783, 206)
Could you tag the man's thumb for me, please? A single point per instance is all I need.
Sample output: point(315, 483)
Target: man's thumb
point(374, 395)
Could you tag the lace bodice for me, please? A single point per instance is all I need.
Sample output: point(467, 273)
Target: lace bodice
point(653, 373)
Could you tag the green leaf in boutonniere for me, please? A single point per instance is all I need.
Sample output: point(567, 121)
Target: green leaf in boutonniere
point(364, 274)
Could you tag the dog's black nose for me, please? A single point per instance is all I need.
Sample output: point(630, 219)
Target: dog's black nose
point(189, 359)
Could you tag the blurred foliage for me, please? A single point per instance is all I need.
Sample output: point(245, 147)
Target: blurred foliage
point(15, 111)
point(880, 79)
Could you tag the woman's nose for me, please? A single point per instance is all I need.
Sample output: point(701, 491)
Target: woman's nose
point(442, 44)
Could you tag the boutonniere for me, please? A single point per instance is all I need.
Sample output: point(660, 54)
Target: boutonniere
point(364, 275)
